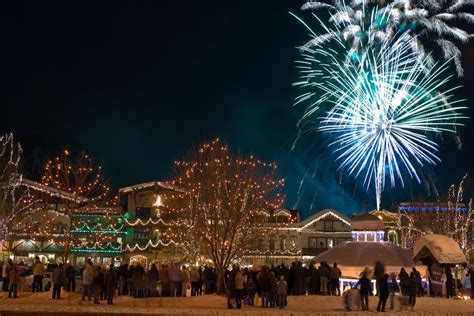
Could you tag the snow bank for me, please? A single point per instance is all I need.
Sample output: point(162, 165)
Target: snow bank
point(444, 249)
point(42, 304)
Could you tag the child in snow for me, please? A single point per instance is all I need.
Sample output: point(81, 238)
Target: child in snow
point(281, 288)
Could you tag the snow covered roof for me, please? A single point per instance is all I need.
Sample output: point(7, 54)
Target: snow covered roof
point(353, 256)
point(367, 222)
point(321, 215)
point(440, 248)
point(146, 185)
point(52, 191)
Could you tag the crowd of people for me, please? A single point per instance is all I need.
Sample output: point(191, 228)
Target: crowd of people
point(267, 286)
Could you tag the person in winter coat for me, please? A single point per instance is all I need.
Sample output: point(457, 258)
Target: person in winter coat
point(152, 278)
point(265, 285)
point(323, 278)
point(251, 290)
point(59, 277)
point(449, 282)
point(38, 274)
point(471, 275)
point(379, 271)
point(176, 281)
point(281, 290)
point(98, 283)
point(239, 288)
point(467, 284)
point(365, 290)
point(272, 298)
point(138, 279)
point(7, 265)
point(314, 283)
point(165, 281)
point(335, 276)
point(111, 283)
point(393, 288)
point(185, 281)
point(14, 279)
point(230, 283)
point(412, 290)
point(70, 278)
point(417, 273)
point(194, 277)
point(87, 279)
point(383, 293)
point(403, 277)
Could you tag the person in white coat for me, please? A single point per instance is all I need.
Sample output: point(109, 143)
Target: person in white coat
point(87, 279)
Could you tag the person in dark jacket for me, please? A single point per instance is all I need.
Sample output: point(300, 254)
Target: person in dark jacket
point(471, 275)
point(383, 293)
point(58, 281)
point(412, 285)
point(111, 283)
point(421, 291)
point(265, 285)
point(97, 284)
point(70, 278)
point(152, 278)
point(403, 277)
point(230, 283)
point(323, 278)
point(379, 271)
point(251, 290)
point(335, 276)
point(365, 290)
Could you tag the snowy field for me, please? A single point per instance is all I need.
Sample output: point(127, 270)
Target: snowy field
point(42, 304)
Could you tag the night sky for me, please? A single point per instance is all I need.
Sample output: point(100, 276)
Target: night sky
point(137, 83)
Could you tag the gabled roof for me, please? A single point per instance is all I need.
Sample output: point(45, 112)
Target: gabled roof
point(52, 191)
point(367, 222)
point(439, 248)
point(147, 185)
point(321, 215)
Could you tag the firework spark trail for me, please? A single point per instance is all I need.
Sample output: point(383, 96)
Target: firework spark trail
point(382, 111)
point(364, 25)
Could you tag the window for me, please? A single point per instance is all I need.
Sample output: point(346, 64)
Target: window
point(392, 237)
point(142, 212)
point(59, 228)
point(271, 243)
point(330, 242)
point(313, 242)
point(282, 244)
point(322, 243)
point(293, 243)
point(329, 226)
point(142, 233)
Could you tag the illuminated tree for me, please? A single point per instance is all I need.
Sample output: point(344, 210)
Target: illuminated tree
point(81, 189)
point(223, 196)
point(15, 200)
point(452, 218)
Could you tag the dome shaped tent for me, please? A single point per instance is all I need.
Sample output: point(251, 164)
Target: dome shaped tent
point(352, 257)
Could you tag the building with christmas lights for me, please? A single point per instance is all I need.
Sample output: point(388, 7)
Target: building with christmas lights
point(294, 239)
point(48, 231)
point(143, 223)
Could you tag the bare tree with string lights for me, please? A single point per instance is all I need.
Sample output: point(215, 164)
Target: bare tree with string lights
point(452, 218)
point(82, 189)
point(224, 196)
point(15, 200)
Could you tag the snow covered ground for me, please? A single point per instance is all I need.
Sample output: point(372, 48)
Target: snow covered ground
point(42, 304)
